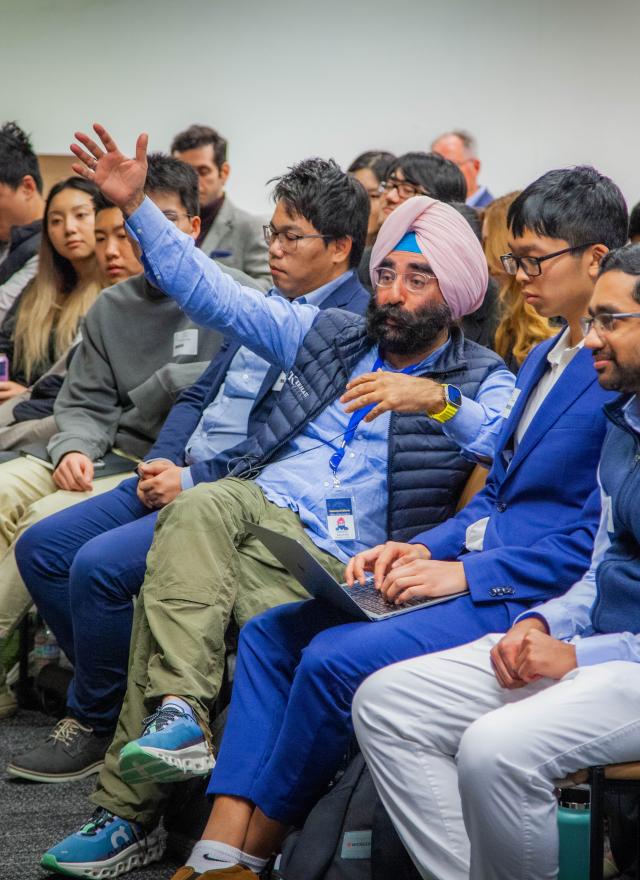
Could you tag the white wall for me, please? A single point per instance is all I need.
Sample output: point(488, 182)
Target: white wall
point(540, 83)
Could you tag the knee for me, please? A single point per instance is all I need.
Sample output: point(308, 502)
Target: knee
point(371, 717)
point(33, 556)
point(96, 575)
point(481, 755)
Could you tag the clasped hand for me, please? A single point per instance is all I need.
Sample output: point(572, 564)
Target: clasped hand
point(393, 391)
point(527, 653)
point(406, 571)
point(160, 482)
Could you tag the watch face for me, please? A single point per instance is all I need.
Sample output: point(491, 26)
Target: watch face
point(454, 395)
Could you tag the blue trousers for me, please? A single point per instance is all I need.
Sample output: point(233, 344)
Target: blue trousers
point(298, 667)
point(83, 566)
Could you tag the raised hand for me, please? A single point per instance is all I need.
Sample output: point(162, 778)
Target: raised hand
point(121, 179)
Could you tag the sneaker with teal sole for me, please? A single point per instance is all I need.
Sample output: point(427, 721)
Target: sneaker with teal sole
point(172, 748)
point(106, 846)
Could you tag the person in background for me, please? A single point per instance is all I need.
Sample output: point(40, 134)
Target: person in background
point(370, 169)
point(21, 211)
point(28, 417)
point(44, 320)
point(460, 147)
point(228, 234)
point(414, 174)
point(520, 327)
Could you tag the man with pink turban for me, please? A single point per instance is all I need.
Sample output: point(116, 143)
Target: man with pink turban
point(335, 479)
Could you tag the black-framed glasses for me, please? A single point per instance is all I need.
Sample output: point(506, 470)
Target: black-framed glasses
point(531, 266)
point(416, 282)
point(174, 216)
point(406, 188)
point(605, 322)
point(288, 240)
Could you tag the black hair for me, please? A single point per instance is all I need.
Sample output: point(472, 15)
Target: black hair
point(440, 178)
point(102, 203)
point(170, 175)
point(334, 202)
point(634, 221)
point(579, 205)
point(200, 136)
point(17, 158)
point(67, 276)
point(623, 259)
point(377, 161)
point(471, 216)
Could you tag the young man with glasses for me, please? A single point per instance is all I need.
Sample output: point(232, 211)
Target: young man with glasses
point(79, 581)
point(481, 734)
point(524, 539)
point(203, 558)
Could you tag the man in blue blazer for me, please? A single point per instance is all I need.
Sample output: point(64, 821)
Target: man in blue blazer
point(525, 538)
point(84, 548)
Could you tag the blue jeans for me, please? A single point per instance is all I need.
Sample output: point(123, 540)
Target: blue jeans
point(298, 667)
point(83, 566)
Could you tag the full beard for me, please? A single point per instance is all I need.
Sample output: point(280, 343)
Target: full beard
point(410, 332)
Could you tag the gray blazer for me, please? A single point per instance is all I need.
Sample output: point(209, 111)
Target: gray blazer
point(240, 233)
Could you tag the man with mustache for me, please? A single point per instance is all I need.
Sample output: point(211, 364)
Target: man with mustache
point(204, 566)
point(469, 733)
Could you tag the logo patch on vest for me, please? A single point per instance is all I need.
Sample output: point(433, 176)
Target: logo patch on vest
point(296, 385)
point(356, 845)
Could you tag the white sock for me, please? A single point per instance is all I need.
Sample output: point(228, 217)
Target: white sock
point(208, 855)
point(181, 704)
point(253, 862)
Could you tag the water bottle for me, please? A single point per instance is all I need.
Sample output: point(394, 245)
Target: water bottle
point(45, 648)
point(573, 827)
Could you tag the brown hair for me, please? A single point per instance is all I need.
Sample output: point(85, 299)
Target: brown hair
point(521, 327)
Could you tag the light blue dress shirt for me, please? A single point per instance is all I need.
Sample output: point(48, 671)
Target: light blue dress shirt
point(274, 329)
point(224, 423)
point(569, 617)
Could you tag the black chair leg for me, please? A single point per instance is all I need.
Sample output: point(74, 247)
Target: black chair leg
point(596, 832)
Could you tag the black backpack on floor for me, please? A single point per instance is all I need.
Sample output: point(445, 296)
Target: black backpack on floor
point(347, 836)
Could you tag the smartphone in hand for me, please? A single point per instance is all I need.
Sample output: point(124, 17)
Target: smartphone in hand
point(4, 368)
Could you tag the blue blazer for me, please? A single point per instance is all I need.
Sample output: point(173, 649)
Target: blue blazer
point(187, 411)
point(544, 507)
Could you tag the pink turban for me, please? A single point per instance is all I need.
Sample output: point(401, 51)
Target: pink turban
point(448, 243)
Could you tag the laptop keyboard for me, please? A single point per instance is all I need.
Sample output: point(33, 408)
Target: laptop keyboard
point(370, 599)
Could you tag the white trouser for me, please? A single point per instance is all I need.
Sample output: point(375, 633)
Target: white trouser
point(449, 748)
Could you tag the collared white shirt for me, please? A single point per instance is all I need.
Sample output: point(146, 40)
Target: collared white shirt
point(559, 358)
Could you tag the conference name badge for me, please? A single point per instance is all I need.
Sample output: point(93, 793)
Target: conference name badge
point(185, 342)
point(341, 517)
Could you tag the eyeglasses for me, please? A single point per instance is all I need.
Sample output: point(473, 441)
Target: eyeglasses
point(605, 322)
point(406, 189)
point(287, 240)
point(415, 282)
point(531, 265)
point(174, 216)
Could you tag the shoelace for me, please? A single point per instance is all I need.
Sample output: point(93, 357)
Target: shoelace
point(101, 817)
point(163, 716)
point(66, 730)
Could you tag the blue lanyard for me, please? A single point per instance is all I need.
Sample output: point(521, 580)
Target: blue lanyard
point(336, 459)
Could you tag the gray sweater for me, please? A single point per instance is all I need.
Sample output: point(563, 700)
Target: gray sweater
point(138, 352)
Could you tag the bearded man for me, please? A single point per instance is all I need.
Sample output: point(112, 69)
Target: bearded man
point(397, 473)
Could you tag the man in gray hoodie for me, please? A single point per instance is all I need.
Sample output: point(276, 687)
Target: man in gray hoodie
point(138, 352)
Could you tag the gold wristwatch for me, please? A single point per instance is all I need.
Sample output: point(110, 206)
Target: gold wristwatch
point(453, 402)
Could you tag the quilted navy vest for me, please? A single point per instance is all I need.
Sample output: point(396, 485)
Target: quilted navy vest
point(426, 471)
